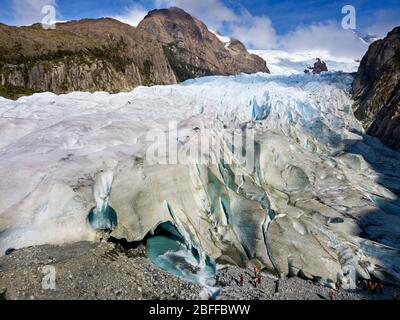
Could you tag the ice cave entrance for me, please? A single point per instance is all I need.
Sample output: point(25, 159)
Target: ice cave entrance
point(168, 250)
point(104, 219)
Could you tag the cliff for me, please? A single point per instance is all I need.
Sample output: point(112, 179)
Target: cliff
point(193, 50)
point(376, 90)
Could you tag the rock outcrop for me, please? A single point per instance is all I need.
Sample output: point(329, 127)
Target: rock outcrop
point(376, 90)
point(107, 55)
point(193, 50)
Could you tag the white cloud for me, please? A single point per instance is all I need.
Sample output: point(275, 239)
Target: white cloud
point(254, 31)
point(327, 36)
point(133, 15)
point(213, 12)
point(27, 12)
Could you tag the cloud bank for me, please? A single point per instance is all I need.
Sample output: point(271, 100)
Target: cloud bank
point(133, 15)
point(27, 12)
point(327, 36)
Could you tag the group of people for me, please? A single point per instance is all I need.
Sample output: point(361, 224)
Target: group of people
point(256, 279)
point(367, 285)
point(371, 286)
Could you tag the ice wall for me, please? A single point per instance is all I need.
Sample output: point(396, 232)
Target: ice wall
point(319, 201)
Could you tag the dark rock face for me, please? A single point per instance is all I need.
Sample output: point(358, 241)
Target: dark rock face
point(105, 54)
point(376, 90)
point(193, 50)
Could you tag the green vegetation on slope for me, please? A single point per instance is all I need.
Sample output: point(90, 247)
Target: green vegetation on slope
point(14, 92)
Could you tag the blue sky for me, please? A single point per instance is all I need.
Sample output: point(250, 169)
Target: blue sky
point(259, 23)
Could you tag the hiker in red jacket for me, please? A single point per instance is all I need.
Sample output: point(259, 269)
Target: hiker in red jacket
point(332, 294)
point(241, 280)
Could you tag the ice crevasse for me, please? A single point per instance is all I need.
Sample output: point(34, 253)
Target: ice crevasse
point(319, 202)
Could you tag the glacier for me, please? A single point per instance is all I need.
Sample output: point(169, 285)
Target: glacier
point(286, 63)
point(319, 201)
point(103, 217)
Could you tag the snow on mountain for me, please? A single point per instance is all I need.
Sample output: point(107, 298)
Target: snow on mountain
point(224, 39)
point(310, 196)
point(285, 63)
point(366, 38)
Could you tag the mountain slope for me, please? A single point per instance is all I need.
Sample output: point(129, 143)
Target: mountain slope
point(376, 90)
point(86, 55)
point(193, 50)
point(107, 55)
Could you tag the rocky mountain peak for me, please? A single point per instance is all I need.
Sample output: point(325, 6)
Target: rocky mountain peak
point(193, 50)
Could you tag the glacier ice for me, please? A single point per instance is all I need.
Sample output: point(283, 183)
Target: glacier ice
point(257, 112)
point(168, 249)
point(320, 201)
point(103, 216)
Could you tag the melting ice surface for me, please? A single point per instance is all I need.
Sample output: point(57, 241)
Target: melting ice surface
point(103, 216)
point(169, 251)
point(332, 188)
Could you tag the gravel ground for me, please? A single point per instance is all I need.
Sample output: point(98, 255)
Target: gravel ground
point(89, 271)
point(92, 271)
point(290, 289)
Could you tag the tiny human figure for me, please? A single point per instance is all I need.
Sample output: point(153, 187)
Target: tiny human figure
point(381, 287)
point(255, 271)
point(395, 296)
point(375, 288)
point(338, 284)
point(276, 285)
point(332, 294)
point(370, 286)
point(241, 280)
point(254, 281)
point(365, 285)
point(259, 278)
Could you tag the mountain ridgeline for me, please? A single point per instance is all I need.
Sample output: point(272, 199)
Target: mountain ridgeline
point(168, 46)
